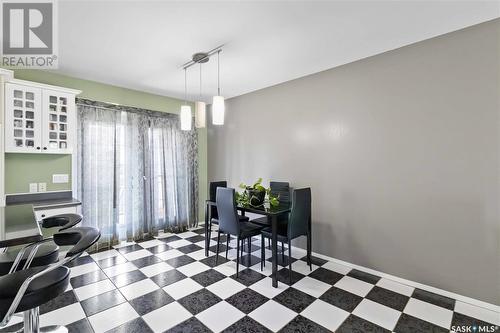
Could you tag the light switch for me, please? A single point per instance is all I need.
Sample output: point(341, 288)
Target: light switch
point(42, 187)
point(60, 178)
point(33, 187)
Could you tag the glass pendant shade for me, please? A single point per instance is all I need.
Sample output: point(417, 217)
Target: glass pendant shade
point(200, 114)
point(218, 109)
point(186, 118)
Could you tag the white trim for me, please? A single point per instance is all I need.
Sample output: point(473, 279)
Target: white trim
point(4, 76)
point(23, 193)
point(7, 74)
point(410, 283)
point(45, 86)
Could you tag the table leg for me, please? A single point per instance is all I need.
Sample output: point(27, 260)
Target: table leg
point(207, 236)
point(274, 225)
point(309, 243)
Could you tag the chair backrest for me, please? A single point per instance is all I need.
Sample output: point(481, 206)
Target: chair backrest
point(81, 238)
point(228, 216)
point(213, 194)
point(282, 189)
point(65, 221)
point(298, 222)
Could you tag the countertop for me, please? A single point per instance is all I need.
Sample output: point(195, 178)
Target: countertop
point(18, 225)
point(53, 203)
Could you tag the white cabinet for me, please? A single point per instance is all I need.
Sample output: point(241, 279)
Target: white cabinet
point(23, 118)
point(58, 113)
point(39, 119)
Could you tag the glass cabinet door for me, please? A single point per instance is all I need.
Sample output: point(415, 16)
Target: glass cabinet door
point(23, 115)
point(57, 121)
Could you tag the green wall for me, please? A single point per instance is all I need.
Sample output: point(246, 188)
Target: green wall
point(22, 169)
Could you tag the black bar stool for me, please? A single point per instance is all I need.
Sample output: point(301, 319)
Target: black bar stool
point(27, 289)
point(46, 253)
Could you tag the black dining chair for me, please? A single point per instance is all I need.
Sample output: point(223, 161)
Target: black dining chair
point(299, 224)
point(46, 253)
point(27, 289)
point(214, 215)
point(230, 224)
point(281, 190)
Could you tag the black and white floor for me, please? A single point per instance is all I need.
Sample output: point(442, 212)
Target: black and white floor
point(168, 285)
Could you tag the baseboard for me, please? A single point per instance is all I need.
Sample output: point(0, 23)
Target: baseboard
point(458, 297)
point(414, 284)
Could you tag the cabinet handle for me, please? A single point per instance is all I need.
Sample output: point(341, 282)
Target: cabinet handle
point(38, 148)
point(44, 148)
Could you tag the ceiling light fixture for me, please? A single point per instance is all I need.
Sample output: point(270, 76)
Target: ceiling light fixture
point(186, 117)
point(218, 107)
point(200, 110)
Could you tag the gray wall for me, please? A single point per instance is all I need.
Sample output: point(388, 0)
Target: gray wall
point(401, 151)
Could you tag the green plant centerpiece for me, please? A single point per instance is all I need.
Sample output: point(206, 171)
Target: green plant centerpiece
point(256, 195)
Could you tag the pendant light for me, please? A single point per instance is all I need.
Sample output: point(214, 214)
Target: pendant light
point(200, 110)
point(185, 109)
point(218, 106)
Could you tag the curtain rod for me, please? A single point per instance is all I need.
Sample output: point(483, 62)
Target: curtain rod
point(120, 107)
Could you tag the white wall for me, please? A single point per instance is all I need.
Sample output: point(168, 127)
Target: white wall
point(401, 151)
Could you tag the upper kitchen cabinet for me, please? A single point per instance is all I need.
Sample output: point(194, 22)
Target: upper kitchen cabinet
point(39, 118)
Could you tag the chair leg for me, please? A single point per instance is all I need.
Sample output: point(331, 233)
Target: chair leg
point(289, 261)
point(227, 243)
point(269, 243)
point(218, 241)
point(283, 253)
point(309, 247)
point(242, 247)
point(262, 252)
point(237, 256)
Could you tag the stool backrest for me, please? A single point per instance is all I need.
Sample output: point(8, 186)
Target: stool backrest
point(65, 221)
point(81, 238)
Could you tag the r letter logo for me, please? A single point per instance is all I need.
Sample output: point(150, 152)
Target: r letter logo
point(28, 34)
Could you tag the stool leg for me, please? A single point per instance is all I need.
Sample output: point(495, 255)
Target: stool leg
point(32, 321)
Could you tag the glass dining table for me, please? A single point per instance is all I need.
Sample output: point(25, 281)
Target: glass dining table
point(271, 212)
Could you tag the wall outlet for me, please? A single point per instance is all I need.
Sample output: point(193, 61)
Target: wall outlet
point(42, 187)
point(60, 178)
point(33, 187)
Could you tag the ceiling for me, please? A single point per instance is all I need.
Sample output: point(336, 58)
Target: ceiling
point(143, 44)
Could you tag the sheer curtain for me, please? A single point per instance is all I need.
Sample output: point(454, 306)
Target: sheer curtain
point(137, 172)
point(172, 182)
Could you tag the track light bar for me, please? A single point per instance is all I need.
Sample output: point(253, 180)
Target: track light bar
point(202, 57)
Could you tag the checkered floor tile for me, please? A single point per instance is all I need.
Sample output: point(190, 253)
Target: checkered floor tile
point(168, 285)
